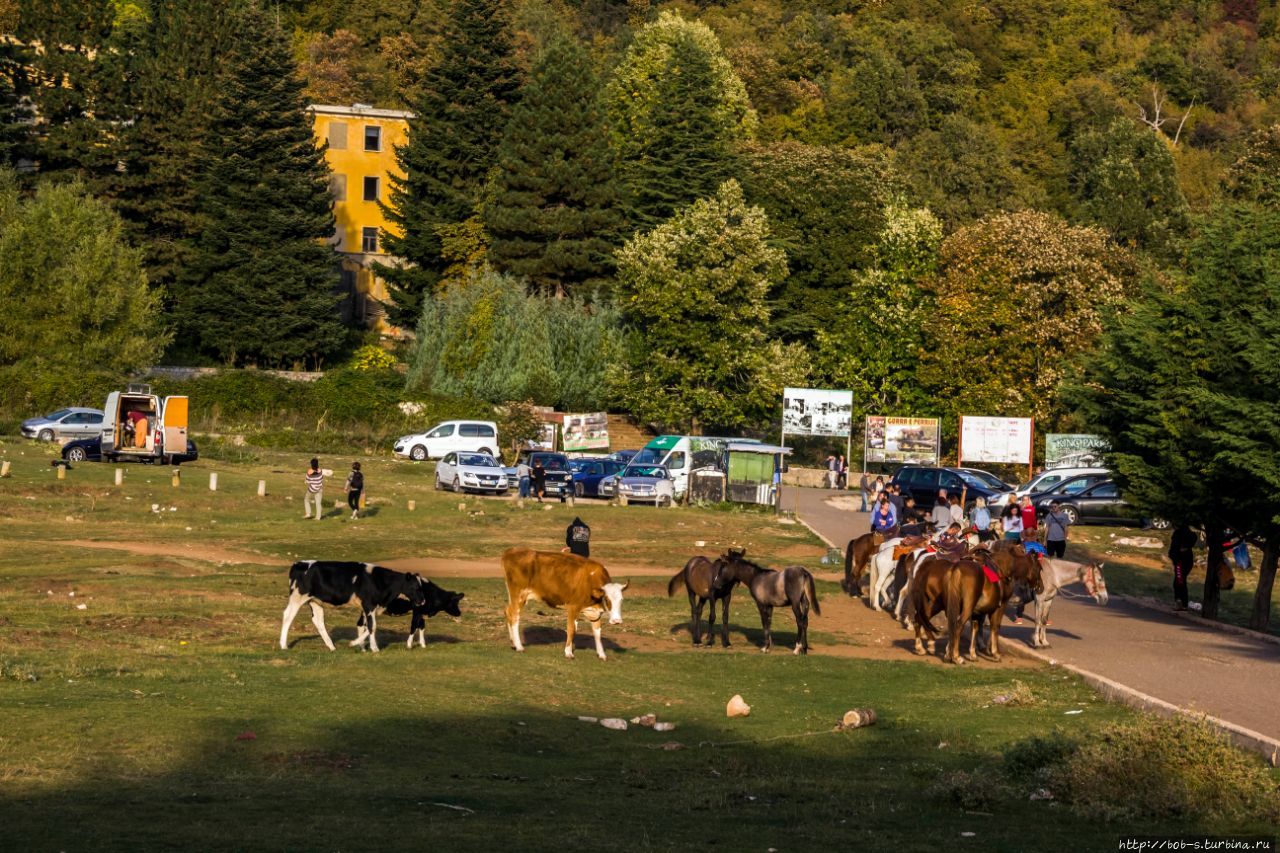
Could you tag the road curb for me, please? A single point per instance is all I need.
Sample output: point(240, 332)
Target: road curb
point(1196, 619)
point(1113, 691)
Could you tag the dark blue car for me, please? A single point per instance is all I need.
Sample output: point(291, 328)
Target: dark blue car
point(589, 471)
point(90, 450)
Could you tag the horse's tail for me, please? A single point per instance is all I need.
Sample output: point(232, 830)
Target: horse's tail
point(953, 589)
point(681, 577)
point(811, 591)
point(850, 584)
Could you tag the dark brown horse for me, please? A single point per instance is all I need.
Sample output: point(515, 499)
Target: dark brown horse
point(972, 596)
point(857, 554)
point(928, 598)
point(705, 582)
point(772, 588)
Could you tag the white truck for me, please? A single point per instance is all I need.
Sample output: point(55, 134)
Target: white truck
point(140, 425)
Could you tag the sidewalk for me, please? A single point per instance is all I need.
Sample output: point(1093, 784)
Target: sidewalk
point(1230, 676)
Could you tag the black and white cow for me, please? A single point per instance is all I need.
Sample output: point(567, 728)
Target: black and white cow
point(436, 600)
point(315, 582)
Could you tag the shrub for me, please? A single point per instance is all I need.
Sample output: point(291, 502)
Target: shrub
point(372, 357)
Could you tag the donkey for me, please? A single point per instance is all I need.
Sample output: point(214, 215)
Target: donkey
point(856, 556)
point(1057, 574)
point(772, 588)
point(705, 582)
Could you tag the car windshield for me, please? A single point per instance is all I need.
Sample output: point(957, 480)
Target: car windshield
point(479, 460)
point(550, 462)
point(655, 471)
point(650, 456)
point(58, 415)
point(982, 478)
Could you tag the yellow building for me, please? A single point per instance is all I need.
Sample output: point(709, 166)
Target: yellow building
point(361, 157)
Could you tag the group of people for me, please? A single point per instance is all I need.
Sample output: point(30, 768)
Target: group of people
point(838, 473)
point(532, 480)
point(314, 494)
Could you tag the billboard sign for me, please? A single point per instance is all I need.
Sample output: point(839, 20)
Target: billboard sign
point(817, 411)
point(585, 432)
point(901, 440)
point(1074, 450)
point(996, 440)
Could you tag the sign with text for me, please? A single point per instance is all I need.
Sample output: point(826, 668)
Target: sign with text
point(911, 441)
point(996, 440)
point(817, 411)
point(1074, 450)
point(585, 432)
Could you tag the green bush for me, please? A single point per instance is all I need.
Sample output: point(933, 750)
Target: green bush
point(26, 391)
point(234, 396)
point(354, 396)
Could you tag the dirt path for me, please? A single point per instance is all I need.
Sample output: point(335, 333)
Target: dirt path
point(1234, 677)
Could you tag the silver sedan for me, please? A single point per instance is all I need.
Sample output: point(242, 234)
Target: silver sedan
point(64, 425)
point(471, 472)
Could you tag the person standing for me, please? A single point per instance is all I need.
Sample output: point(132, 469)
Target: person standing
point(1012, 522)
point(957, 511)
point(355, 486)
point(1030, 524)
point(941, 515)
point(1055, 531)
point(577, 538)
point(523, 477)
point(1182, 554)
point(833, 470)
point(842, 473)
point(315, 490)
point(864, 485)
point(538, 479)
point(982, 520)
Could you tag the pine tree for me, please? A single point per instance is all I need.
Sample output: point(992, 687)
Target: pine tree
point(15, 117)
point(261, 287)
point(552, 210)
point(676, 109)
point(172, 77)
point(459, 116)
point(66, 79)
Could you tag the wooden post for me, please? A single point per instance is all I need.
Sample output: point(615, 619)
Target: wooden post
point(4, 468)
point(176, 478)
point(362, 500)
point(119, 476)
point(62, 472)
point(213, 481)
point(412, 505)
point(262, 488)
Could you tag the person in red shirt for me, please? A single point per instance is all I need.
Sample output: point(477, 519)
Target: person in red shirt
point(1029, 521)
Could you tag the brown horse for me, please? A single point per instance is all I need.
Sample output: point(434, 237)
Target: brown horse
point(857, 554)
point(775, 588)
point(928, 598)
point(971, 596)
point(705, 582)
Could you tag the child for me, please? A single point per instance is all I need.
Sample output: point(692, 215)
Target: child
point(355, 485)
point(315, 490)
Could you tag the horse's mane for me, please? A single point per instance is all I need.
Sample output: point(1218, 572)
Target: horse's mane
point(744, 561)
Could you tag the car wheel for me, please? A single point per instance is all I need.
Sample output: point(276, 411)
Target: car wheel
point(439, 485)
point(418, 453)
point(579, 490)
point(45, 435)
point(457, 485)
point(76, 454)
point(1072, 514)
point(1161, 523)
point(664, 500)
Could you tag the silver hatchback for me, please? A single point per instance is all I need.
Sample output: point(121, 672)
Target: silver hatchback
point(64, 425)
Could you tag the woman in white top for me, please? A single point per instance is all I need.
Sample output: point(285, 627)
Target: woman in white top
point(1012, 522)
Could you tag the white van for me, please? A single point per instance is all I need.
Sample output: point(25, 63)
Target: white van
point(137, 424)
point(450, 437)
point(682, 454)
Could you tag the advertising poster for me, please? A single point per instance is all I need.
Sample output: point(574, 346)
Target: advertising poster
point(817, 411)
point(585, 432)
point(993, 440)
point(1074, 450)
point(901, 440)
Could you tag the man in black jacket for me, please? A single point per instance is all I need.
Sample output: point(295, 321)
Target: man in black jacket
point(578, 537)
point(1182, 554)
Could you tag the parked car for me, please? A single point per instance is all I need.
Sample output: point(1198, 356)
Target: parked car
point(64, 424)
point(471, 472)
point(645, 483)
point(449, 437)
point(1069, 486)
point(923, 483)
point(589, 471)
point(623, 456)
point(90, 450)
point(1048, 479)
point(143, 426)
point(559, 483)
point(1098, 504)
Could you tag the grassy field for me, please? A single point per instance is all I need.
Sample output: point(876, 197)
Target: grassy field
point(152, 707)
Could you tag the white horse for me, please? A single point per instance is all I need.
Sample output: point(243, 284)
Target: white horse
point(1057, 573)
point(881, 566)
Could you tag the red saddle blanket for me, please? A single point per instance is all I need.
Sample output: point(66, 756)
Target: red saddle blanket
point(992, 574)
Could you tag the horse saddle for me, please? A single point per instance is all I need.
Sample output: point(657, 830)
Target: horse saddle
point(907, 545)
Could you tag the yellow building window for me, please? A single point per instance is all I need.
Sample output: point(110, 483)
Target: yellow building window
point(372, 137)
point(371, 188)
point(369, 240)
point(338, 186)
point(338, 135)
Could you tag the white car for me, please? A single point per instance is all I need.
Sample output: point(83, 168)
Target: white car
point(449, 437)
point(1047, 479)
point(471, 472)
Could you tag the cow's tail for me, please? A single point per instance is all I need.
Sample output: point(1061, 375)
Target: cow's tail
point(811, 591)
point(681, 578)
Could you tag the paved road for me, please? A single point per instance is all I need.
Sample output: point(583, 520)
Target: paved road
point(1234, 677)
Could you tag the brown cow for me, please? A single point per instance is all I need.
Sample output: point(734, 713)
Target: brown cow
point(579, 585)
